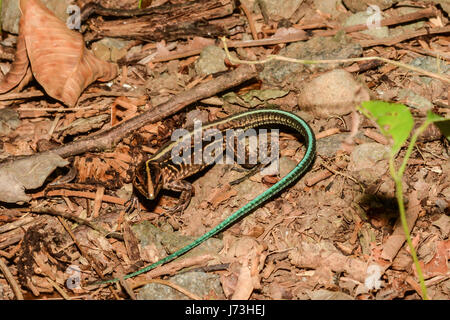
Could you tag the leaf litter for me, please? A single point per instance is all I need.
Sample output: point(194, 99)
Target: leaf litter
point(336, 238)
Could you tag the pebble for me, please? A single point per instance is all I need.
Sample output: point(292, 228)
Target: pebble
point(211, 61)
point(11, 13)
point(360, 5)
point(364, 17)
point(339, 93)
point(9, 121)
point(278, 10)
point(198, 283)
point(368, 162)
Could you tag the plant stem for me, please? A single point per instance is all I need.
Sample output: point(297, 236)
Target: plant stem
point(411, 145)
point(401, 206)
point(397, 176)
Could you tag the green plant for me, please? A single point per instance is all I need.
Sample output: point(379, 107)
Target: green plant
point(140, 4)
point(396, 122)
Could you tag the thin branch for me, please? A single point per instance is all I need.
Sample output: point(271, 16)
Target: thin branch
point(53, 212)
point(404, 36)
point(110, 137)
point(15, 287)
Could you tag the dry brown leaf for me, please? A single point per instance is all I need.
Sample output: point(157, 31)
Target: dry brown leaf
point(316, 255)
point(439, 264)
point(395, 241)
point(220, 195)
point(131, 243)
point(18, 68)
point(244, 286)
point(59, 59)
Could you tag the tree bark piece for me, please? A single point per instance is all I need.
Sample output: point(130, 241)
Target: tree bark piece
point(168, 21)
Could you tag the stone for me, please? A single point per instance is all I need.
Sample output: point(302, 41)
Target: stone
point(367, 17)
point(339, 94)
point(198, 283)
point(211, 61)
point(278, 10)
point(110, 49)
point(368, 162)
point(9, 121)
point(328, 6)
point(11, 12)
point(360, 5)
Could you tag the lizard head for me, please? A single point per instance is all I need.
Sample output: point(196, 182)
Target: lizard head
point(147, 179)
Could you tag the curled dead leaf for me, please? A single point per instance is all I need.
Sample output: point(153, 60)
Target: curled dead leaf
point(18, 68)
point(26, 173)
point(59, 59)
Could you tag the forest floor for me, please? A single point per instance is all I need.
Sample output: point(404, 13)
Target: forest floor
point(333, 234)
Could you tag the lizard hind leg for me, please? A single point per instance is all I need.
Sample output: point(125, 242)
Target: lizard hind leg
point(186, 190)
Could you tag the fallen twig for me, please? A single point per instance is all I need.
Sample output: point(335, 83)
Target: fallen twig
point(249, 16)
point(81, 194)
point(301, 36)
point(108, 138)
point(53, 212)
point(404, 36)
point(15, 287)
point(21, 95)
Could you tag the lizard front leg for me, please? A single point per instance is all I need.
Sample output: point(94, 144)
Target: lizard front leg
point(186, 190)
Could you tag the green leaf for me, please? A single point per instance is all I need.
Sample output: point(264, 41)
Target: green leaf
point(395, 120)
point(433, 117)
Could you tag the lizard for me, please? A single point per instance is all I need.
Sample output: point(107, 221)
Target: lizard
point(160, 172)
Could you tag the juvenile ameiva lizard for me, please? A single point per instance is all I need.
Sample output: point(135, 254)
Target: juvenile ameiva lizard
point(159, 171)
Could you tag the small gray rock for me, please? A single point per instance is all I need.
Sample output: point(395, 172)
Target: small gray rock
point(328, 6)
point(414, 100)
point(278, 10)
point(339, 93)
point(199, 283)
point(360, 5)
point(368, 162)
point(26, 173)
point(443, 223)
point(364, 17)
point(211, 61)
point(286, 165)
point(170, 242)
point(9, 120)
point(11, 12)
point(323, 294)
